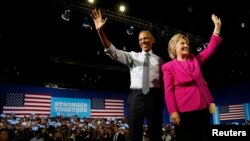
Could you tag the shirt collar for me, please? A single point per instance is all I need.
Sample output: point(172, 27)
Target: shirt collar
point(150, 52)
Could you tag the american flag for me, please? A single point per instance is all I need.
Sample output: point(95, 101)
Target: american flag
point(232, 112)
point(106, 108)
point(22, 104)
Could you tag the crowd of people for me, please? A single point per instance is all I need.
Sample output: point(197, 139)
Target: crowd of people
point(74, 129)
point(71, 129)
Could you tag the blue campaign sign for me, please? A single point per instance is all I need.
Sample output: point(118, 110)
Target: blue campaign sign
point(70, 107)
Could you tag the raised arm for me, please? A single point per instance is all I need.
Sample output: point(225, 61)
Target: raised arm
point(217, 24)
point(214, 41)
point(96, 15)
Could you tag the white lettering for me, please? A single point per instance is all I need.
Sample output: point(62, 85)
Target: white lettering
point(216, 132)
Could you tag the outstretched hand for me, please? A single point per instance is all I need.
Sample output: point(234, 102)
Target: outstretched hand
point(217, 24)
point(96, 15)
point(216, 20)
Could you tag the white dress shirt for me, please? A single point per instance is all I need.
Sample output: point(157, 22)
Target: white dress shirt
point(134, 60)
point(115, 136)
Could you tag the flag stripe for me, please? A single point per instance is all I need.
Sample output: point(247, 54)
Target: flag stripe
point(114, 104)
point(38, 96)
point(114, 107)
point(106, 113)
point(26, 108)
point(37, 104)
point(36, 100)
point(20, 113)
point(111, 111)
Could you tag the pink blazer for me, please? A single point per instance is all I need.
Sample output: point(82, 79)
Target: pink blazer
point(188, 91)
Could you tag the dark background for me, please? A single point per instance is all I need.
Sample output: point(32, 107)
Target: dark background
point(38, 47)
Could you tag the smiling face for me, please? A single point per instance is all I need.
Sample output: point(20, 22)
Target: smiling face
point(146, 40)
point(182, 49)
point(178, 47)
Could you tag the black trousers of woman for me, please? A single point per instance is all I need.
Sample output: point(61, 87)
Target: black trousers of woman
point(194, 126)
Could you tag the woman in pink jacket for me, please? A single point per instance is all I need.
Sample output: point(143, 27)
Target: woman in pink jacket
point(187, 95)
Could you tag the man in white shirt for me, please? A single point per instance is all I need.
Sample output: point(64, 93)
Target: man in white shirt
point(140, 104)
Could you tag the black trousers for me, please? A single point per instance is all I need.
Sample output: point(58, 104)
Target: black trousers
point(194, 126)
point(142, 106)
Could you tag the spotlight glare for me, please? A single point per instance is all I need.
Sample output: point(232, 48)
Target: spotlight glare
point(86, 24)
point(130, 30)
point(122, 8)
point(65, 15)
